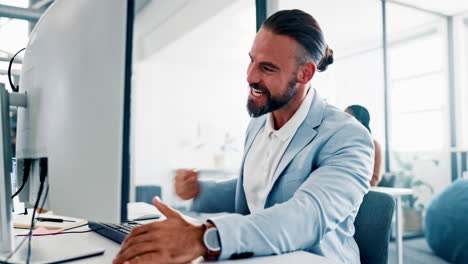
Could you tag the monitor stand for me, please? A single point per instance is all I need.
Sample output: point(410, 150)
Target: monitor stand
point(6, 226)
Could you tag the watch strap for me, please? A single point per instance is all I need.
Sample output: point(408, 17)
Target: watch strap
point(209, 254)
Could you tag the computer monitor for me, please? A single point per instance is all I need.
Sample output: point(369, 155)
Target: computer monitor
point(76, 75)
point(75, 112)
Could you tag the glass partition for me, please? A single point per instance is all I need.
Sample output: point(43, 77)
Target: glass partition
point(417, 89)
point(419, 111)
point(354, 32)
point(190, 88)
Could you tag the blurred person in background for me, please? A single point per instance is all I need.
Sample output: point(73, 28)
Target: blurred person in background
point(363, 116)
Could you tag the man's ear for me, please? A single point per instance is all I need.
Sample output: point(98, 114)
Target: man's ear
point(306, 72)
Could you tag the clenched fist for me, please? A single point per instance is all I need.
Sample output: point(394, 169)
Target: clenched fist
point(186, 184)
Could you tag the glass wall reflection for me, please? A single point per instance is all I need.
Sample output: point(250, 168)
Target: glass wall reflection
point(190, 88)
point(419, 110)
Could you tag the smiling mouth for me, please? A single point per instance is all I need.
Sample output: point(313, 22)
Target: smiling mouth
point(256, 93)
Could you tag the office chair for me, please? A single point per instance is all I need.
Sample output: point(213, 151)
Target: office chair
point(145, 193)
point(388, 180)
point(373, 224)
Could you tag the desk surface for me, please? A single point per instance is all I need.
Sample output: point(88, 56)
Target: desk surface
point(83, 242)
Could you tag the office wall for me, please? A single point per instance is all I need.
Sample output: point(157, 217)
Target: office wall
point(190, 89)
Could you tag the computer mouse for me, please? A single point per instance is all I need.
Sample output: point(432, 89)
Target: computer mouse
point(147, 217)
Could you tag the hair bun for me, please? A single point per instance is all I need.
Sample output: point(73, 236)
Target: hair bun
point(326, 60)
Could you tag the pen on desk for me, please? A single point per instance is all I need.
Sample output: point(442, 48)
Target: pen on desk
point(50, 219)
point(146, 217)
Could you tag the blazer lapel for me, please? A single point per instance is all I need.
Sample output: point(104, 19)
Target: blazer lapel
point(304, 135)
point(256, 126)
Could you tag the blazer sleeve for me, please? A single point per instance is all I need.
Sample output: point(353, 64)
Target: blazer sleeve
point(331, 194)
point(219, 196)
point(215, 196)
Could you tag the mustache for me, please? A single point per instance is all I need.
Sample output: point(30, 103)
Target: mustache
point(259, 87)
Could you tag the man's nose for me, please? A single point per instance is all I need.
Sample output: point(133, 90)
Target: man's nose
point(253, 76)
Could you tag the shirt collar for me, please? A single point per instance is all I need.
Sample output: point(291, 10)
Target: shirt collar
point(289, 129)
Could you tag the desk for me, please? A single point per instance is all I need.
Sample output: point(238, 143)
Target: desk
point(397, 193)
point(73, 242)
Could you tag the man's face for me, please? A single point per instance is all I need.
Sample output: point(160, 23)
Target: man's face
point(272, 72)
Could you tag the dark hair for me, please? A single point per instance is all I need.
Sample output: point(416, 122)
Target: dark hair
point(304, 29)
point(361, 114)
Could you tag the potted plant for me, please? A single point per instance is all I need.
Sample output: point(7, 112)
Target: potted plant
point(413, 205)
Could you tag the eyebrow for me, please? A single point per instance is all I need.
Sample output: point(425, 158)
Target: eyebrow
point(267, 63)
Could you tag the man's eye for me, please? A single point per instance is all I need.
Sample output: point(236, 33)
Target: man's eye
point(267, 69)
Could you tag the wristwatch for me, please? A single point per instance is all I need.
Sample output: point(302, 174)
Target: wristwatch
point(211, 241)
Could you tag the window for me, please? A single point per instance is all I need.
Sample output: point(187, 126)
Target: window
point(14, 35)
point(463, 87)
point(190, 88)
point(418, 96)
point(356, 76)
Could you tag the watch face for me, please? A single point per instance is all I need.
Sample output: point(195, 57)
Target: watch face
point(211, 239)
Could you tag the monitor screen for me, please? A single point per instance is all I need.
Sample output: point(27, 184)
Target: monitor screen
point(76, 74)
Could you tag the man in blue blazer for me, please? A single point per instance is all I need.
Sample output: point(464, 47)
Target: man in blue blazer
point(305, 170)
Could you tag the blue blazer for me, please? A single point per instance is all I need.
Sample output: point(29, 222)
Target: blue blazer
point(318, 187)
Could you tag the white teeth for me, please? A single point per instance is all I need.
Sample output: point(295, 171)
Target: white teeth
point(256, 92)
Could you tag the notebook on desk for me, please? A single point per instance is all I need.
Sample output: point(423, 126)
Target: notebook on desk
point(24, 221)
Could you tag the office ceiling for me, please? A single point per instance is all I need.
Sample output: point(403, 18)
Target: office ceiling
point(361, 19)
point(38, 4)
point(446, 7)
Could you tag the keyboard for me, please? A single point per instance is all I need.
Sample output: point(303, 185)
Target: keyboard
point(114, 232)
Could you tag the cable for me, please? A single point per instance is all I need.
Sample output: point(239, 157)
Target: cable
point(45, 197)
point(42, 177)
point(26, 169)
point(16, 249)
point(26, 236)
point(31, 228)
point(33, 219)
point(64, 233)
point(13, 88)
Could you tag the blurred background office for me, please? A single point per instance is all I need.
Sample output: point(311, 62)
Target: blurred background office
point(406, 61)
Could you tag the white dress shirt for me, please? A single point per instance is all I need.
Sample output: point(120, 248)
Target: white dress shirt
point(266, 152)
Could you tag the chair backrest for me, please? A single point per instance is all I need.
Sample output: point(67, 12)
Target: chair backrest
point(145, 193)
point(373, 224)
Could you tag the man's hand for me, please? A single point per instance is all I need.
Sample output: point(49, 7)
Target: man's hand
point(186, 184)
point(173, 240)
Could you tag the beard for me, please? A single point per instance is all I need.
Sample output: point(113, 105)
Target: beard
point(272, 102)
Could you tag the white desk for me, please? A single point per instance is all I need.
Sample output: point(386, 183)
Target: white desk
point(397, 193)
point(83, 241)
